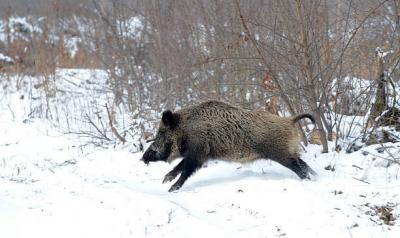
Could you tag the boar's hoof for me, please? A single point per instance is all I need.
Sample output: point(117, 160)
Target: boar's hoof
point(169, 177)
point(174, 187)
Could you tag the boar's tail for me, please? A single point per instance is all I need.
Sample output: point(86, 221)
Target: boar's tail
point(301, 116)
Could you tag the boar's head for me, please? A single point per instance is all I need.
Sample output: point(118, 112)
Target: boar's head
point(166, 138)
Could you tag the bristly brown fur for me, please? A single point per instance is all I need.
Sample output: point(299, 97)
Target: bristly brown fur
point(216, 130)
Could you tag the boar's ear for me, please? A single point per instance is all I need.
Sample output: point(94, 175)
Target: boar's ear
point(170, 119)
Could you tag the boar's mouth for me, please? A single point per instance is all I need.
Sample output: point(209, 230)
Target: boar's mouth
point(152, 155)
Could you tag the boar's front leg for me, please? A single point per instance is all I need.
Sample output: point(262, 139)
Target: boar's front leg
point(190, 165)
point(174, 172)
point(193, 158)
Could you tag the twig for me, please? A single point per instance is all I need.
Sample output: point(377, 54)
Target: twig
point(361, 180)
point(375, 221)
point(97, 129)
point(170, 216)
point(12, 112)
point(113, 129)
point(358, 167)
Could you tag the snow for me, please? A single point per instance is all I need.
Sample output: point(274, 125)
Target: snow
point(71, 98)
point(382, 54)
point(76, 31)
point(53, 186)
point(6, 58)
point(19, 28)
point(131, 27)
point(71, 45)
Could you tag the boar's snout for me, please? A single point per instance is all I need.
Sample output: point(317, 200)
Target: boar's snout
point(150, 155)
point(159, 150)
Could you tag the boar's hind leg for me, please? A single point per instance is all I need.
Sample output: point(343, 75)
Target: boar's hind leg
point(305, 166)
point(298, 166)
point(190, 165)
point(174, 172)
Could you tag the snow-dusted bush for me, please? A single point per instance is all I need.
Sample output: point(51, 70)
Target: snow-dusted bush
point(386, 129)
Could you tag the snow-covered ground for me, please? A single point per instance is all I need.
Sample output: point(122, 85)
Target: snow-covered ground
point(52, 186)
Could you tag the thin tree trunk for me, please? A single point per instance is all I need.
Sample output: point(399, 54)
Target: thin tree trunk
point(380, 97)
point(308, 71)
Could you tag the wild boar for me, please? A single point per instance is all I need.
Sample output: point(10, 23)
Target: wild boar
point(217, 130)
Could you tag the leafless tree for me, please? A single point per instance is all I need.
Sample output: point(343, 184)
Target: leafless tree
point(290, 56)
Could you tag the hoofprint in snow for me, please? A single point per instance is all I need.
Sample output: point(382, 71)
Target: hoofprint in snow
point(51, 186)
